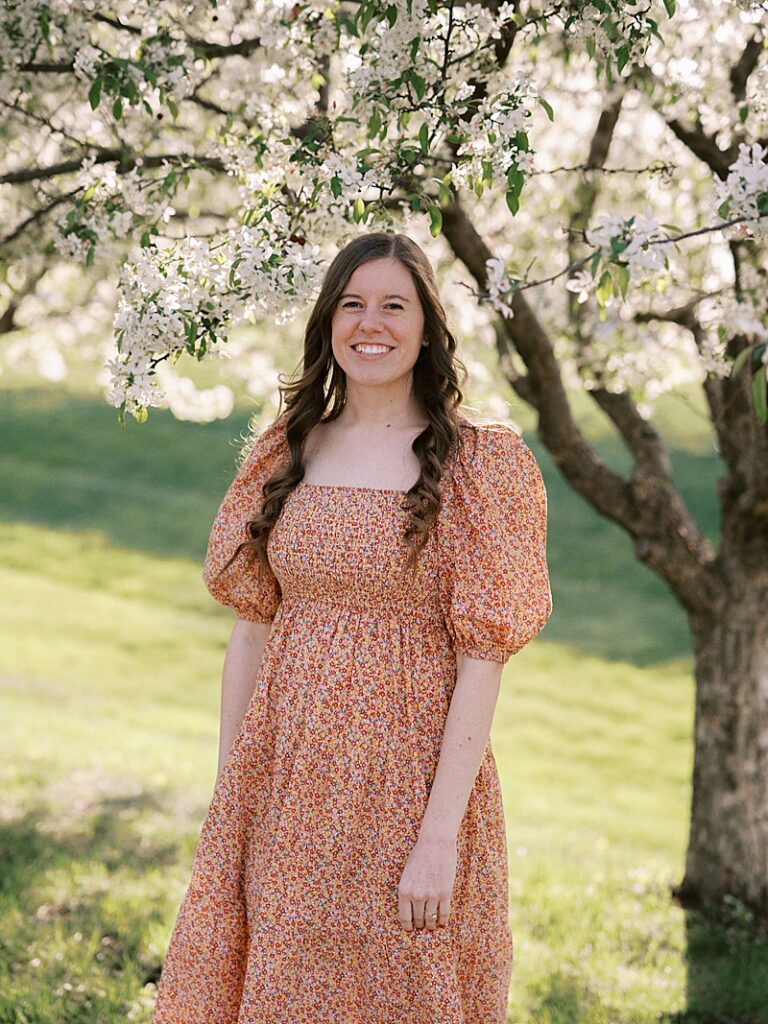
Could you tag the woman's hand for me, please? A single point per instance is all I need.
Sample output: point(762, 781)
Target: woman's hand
point(426, 884)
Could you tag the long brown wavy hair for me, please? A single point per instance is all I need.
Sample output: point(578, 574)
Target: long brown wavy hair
point(309, 400)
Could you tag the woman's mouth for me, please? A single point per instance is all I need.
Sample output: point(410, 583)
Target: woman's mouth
point(371, 351)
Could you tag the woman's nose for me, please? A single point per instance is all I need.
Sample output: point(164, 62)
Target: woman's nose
point(370, 320)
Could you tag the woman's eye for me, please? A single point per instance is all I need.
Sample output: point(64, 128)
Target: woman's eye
point(351, 303)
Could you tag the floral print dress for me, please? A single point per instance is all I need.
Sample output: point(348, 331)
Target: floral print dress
point(291, 913)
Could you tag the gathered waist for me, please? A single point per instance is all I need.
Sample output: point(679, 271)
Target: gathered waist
point(404, 610)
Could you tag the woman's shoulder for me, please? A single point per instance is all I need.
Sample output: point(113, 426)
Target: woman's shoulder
point(265, 443)
point(479, 443)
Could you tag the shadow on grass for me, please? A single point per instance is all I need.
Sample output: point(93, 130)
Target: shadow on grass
point(85, 886)
point(564, 998)
point(727, 960)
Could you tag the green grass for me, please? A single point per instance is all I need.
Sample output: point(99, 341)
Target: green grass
point(112, 653)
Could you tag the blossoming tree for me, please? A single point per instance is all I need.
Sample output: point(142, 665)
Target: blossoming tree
point(217, 153)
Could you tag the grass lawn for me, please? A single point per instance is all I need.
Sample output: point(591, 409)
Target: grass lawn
point(109, 691)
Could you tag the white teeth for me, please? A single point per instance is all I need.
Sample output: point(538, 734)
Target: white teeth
point(370, 349)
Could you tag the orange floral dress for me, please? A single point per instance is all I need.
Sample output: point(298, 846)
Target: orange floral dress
point(291, 914)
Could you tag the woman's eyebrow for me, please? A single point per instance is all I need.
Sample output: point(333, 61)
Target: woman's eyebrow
point(354, 295)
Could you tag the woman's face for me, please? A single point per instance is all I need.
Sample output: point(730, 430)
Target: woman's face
point(379, 307)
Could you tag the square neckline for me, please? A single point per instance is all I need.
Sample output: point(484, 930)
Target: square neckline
point(351, 487)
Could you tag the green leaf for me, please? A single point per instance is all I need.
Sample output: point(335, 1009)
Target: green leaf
point(515, 180)
point(424, 137)
point(336, 187)
point(605, 288)
point(548, 108)
point(596, 262)
point(513, 202)
point(173, 108)
point(760, 394)
point(94, 94)
point(623, 273)
point(744, 113)
point(146, 240)
point(762, 202)
point(117, 108)
point(669, 6)
point(740, 359)
point(435, 221)
point(622, 56)
point(358, 210)
point(418, 84)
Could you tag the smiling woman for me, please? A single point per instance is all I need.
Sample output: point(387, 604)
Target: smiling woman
point(352, 865)
point(379, 316)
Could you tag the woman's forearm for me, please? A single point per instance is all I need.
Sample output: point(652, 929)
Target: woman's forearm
point(241, 666)
point(467, 727)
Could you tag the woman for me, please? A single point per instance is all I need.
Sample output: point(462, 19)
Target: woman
point(385, 557)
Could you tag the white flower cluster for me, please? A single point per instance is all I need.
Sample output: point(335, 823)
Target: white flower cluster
point(105, 206)
point(492, 147)
point(628, 242)
point(623, 356)
point(389, 55)
point(186, 297)
point(609, 32)
point(22, 39)
point(169, 62)
point(286, 27)
point(748, 318)
point(173, 66)
point(744, 193)
point(712, 356)
point(583, 283)
point(499, 287)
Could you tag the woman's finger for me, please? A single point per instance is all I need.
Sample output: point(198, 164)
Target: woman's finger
point(418, 913)
point(405, 914)
point(431, 914)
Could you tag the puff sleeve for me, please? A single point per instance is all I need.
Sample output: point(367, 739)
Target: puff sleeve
point(253, 594)
point(494, 581)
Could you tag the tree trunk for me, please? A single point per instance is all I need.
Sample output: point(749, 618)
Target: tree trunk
point(728, 843)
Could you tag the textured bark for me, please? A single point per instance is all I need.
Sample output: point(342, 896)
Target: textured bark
point(728, 844)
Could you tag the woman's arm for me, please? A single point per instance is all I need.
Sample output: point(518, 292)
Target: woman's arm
point(241, 666)
point(467, 728)
point(430, 872)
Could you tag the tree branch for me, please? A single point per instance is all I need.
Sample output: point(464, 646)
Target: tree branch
point(125, 161)
point(746, 64)
point(647, 506)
